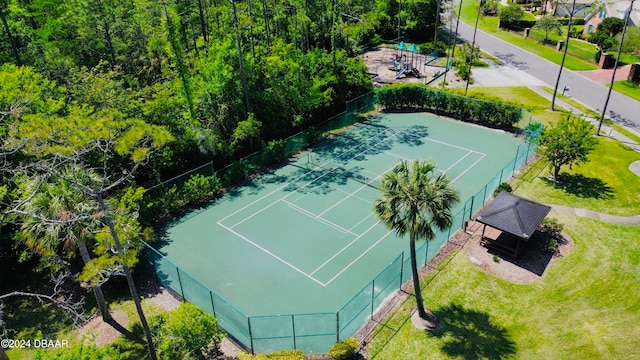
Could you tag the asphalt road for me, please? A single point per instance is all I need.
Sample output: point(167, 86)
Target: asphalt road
point(622, 109)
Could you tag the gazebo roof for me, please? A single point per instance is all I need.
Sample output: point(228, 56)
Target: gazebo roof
point(513, 214)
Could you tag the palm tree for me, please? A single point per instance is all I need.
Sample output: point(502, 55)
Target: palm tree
point(415, 200)
point(60, 217)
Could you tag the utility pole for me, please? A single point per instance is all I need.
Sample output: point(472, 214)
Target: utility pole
point(615, 67)
point(564, 56)
point(473, 46)
point(455, 41)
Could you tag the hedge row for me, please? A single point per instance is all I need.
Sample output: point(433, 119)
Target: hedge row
point(487, 113)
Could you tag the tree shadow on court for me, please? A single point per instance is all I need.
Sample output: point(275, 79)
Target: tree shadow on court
point(582, 186)
point(470, 334)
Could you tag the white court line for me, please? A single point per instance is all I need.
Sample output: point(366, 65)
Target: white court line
point(286, 196)
point(342, 200)
point(343, 249)
point(273, 255)
point(354, 240)
point(457, 162)
point(319, 218)
point(469, 168)
point(441, 142)
point(356, 259)
point(284, 186)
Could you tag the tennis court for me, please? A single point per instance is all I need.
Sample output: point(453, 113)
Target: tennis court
point(303, 238)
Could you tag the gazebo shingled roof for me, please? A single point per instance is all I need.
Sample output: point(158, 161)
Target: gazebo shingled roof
point(513, 214)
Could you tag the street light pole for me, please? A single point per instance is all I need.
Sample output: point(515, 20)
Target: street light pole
point(615, 67)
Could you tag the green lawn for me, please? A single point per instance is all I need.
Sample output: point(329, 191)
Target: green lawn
point(536, 104)
point(628, 88)
point(603, 184)
point(584, 307)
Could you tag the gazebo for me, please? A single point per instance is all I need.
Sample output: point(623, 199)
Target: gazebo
point(509, 220)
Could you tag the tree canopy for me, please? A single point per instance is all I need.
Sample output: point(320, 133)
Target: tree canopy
point(569, 142)
point(416, 200)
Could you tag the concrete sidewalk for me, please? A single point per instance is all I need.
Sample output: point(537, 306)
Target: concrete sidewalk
point(607, 130)
point(613, 219)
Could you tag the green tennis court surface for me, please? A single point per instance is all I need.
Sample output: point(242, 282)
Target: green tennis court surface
point(303, 238)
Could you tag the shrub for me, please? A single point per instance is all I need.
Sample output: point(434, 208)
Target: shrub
point(505, 186)
point(278, 355)
point(199, 188)
point(549, 234)
point(275, 151)
point(345, 349)
point(238, 171)
point(488, 113)
point(312, 135)
point(185, 332)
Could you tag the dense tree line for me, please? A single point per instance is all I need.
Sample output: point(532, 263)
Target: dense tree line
point(101, 98)
point(220, 75)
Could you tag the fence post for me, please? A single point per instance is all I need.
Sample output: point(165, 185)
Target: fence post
point(500, 182)
point(213, 306)
point(484, 197)
point(373, 295)
point(293, 327)
point(464, 211)
point(337, 326)
point(250, 334)
point(180, 283)
point(471, 210)
point(401, 268)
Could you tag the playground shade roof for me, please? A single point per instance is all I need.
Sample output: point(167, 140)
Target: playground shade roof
point(513, 214)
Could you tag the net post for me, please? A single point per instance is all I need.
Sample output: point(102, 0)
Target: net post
point(250, 334)
point(180, 283)
point(293, 327)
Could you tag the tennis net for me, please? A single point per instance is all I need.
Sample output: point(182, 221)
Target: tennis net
point(333, 168)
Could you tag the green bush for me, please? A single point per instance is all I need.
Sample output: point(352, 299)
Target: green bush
point(199, 188)
point(278, 355)
point(487, 113)
point(505, 186)
point(238, 171)
point(275, 151)
point(345, 349)
point(549, 235)
point(185, 333)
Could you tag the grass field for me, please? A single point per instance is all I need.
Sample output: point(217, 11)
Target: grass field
point(581, 308)
point(536, 104)
point(604, 184)
point(628, 88)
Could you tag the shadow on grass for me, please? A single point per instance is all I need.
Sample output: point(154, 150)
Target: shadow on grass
point(470, 334)
point(582, 186)
point(132, 345)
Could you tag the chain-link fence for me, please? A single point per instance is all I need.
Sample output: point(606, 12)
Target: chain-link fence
point(317, 332)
